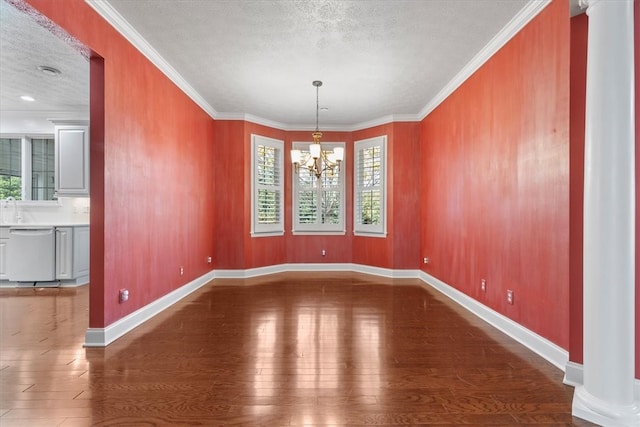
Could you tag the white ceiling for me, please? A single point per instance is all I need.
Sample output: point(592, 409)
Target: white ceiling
point(257, 58)
point(27, 42)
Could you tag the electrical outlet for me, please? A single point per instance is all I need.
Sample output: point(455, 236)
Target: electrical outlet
point(324, 253)
point(425, 260)
point(483, 285)
point(182, 271)
point(124, 295)
point(510, 297)
point(209, 260)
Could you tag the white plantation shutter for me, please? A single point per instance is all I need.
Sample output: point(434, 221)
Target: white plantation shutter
point(318, 204)
point(370, 186)
point(267, 186)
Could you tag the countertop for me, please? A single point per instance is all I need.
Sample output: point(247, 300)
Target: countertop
point(44, 225)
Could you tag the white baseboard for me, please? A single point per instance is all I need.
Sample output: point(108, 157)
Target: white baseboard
point(101, 337)
point(534, 342)
point(320, 267)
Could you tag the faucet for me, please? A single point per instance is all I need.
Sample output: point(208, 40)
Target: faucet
point(16, 213)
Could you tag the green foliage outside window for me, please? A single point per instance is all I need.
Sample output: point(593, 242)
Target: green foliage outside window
point(10, 168)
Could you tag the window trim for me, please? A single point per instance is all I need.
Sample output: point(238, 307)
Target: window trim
point(266, 230)
point(318, 229)
point(370, 230)
point(27, 168)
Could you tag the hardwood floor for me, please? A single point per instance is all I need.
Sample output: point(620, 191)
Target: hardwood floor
point(337, 349)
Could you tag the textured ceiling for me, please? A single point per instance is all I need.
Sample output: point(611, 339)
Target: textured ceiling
point(258, 57)
point(375, 57)
point(26, 43)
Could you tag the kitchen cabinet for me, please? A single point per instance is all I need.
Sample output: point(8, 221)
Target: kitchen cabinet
point(4, 239)
point(72, 252)
point(70, 262)
point(80, 252)
point(72, 159)
point(64, 253)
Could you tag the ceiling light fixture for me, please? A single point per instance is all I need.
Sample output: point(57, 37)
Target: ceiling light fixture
point(27, 98)
point(49, 71)
point(317, 160)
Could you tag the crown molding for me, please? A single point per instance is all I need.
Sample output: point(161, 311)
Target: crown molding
point(311, 127)
point(517, 23)
point(113, 17)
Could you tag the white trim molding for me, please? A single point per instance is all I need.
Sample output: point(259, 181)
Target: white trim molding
point(317, 267)
point(517, 23)
point(513, 27)
point(101, 337)
point(113, 17)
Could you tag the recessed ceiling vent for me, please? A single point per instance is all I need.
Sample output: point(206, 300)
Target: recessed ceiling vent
point(49, 71)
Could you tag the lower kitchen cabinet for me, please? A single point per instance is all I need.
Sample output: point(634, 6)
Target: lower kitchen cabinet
point(71, 255)
point(4, 239)
point(72, 252)
point(64, 253)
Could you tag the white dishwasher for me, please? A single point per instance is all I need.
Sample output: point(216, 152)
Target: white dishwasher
point(32, 254)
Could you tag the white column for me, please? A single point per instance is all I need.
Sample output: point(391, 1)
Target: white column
point(607, 394)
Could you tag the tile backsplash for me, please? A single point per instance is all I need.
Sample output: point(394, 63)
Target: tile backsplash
point(66, 210)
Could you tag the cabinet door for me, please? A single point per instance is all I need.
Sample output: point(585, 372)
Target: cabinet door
point(64, 253)
point(80, 252)
point(72, 160)
point(4, 254)
point(3, 259)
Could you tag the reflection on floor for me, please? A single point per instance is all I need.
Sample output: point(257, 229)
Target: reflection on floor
point(333, 349)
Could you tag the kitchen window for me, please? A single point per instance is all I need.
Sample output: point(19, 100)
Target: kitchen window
point(27, 168)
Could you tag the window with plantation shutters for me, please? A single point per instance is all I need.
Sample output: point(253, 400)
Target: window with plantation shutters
point(267, 183)
point(318, 203)
point(370, 182)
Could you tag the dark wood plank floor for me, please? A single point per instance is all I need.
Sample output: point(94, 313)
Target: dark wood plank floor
point(337, 349)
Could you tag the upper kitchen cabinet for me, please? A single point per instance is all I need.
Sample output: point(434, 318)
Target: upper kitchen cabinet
point(72, 159)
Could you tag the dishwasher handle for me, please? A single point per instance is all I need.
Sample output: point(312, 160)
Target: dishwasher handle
point(30, 231)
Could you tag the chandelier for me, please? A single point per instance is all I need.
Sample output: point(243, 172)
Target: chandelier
point(317, 160)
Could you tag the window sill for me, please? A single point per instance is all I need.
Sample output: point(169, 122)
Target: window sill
point(382, 235)
point(267, 234)
point(317, 233)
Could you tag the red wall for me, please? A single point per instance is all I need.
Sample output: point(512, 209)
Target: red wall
point(401, 248)
point(151, 174)
point(495, 182)
point(377, 251)
point(404, 196)
point(229, 171)
point(236, 249)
